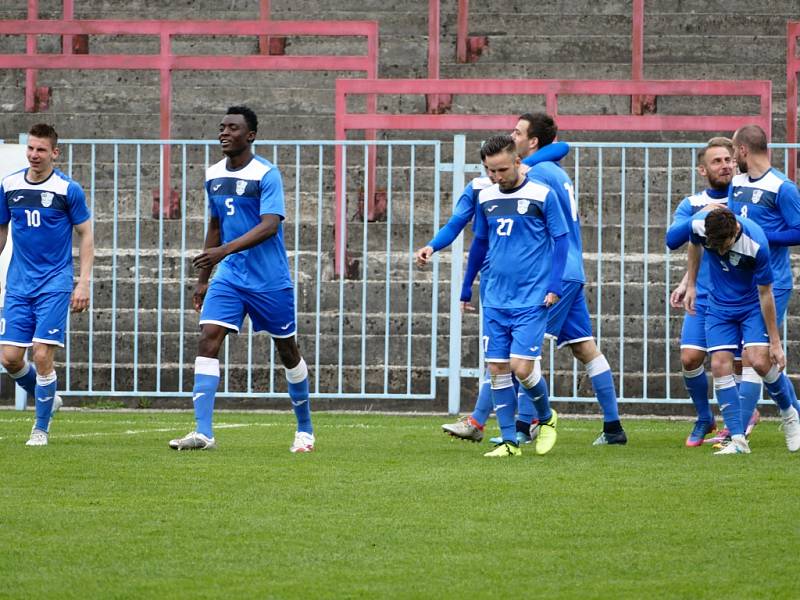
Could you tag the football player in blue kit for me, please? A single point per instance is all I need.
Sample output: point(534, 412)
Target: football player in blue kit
point(245, 237)
point(471, 427)
point(44, 206)
point(520, 222)
point(741, 310)
point(766, 196)
point(715, 163)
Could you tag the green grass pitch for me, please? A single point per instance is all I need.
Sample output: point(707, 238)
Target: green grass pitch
point(389, 507)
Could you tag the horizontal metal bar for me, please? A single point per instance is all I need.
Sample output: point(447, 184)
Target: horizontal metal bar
point(257, 143)
point(591, 87)
point(249, 395)
point(130, 62)
point(212, 27)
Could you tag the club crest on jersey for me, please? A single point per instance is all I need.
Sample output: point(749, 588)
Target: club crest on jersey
point(757, 196)
point(47, 199)
point(522, 206)
point(734, 258)
point(241, 186)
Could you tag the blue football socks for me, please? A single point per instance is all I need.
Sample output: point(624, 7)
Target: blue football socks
point(749, 392)
point(599, 372)
point(206, 381)
point(26, 379)
point(729, 403)
point(696, 383)
point(297, 378)
point(45, 393)
point(504, 401)
point(483, 406)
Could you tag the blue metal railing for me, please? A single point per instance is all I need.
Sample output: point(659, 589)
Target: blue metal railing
point(137, 335)
point(360, 337)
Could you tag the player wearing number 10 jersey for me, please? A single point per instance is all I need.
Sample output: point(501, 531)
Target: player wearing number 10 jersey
point(43, 206)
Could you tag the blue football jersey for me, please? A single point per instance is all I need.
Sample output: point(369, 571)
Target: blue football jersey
point(238, 199)
point(519, 224)
point(554, 176)
point(689, 207)
point(773, 202)
point(42, 216)
point(735, 275)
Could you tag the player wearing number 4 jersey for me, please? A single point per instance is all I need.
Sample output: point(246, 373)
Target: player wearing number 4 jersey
point(767, 197)
point(43, 206)
point(245, 237)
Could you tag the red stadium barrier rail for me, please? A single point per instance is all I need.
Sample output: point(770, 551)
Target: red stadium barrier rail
point(551, 89)
point(165, 61)
point(792, 69)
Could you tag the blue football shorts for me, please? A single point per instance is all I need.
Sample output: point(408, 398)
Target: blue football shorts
point(693, 332)
point(513, 332)
point(782, 298)
point(568, 319)
point(41, 319)
point(727, 327)
point(272, 311)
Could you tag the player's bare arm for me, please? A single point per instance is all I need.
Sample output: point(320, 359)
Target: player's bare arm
point(676, 297)
point(211, 255)
point(768, 311)
point(692, 268)
point(204, 274)
point(80, 295)
point(423, 256)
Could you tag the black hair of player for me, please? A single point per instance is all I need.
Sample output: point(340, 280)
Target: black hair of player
point(753, 138)
point(541, 126)
point(44, 131)
point(497, 144)
point(720, 228)
point(249, 116)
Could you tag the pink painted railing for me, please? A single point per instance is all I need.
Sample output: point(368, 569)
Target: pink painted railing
point(551, 89)
point(166, 62)
point(792, 69)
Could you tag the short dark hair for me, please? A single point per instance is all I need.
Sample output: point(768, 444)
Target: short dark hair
point(541, 126)
point(43, 130)
point(497, 144)
point(720, 227)
point(249, 116)
point(753, 137)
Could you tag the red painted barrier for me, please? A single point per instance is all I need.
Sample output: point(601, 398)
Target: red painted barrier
point(165, 61)
point(792, 68)
point(551, 89)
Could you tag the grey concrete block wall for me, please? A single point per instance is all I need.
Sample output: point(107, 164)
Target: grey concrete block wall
point(575, 39)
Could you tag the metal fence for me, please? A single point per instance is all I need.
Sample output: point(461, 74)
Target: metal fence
point(380, 333)
point(371, 336)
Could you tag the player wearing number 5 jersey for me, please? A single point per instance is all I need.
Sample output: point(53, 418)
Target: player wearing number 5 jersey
point(766, 196)
point(43, 206)
point(245, 237)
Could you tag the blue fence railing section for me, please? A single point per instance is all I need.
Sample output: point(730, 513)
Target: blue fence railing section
point(378, 334)
point(373, 335)
point(626, 194)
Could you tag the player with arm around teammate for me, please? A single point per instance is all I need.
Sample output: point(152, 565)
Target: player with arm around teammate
point(44, 206)
point(526, 235)
point(741, 309)
point(715, 163)
point(245, 237)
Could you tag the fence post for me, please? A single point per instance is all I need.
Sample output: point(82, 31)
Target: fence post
point(456, 274)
